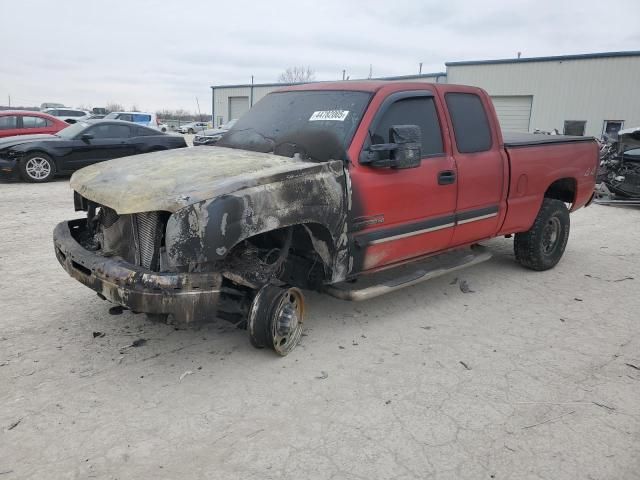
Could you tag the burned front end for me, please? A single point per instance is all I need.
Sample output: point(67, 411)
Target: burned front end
point(619, 174)
point(123, 257)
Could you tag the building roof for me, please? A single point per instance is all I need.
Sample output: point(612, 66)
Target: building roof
point(557, 58)
point(401, 77)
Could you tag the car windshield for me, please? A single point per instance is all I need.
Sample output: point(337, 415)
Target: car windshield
point(72, 130)
point(317, 125)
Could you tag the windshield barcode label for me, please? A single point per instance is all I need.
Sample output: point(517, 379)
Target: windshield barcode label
point(336, 115)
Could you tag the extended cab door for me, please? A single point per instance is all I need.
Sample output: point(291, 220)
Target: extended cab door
point(402, 213)
point(481, 165)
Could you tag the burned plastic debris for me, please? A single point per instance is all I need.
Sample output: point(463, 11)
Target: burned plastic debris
point(618, 178)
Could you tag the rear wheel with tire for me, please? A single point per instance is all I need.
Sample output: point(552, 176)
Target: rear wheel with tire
point(37, 167)
point(541, 247)
point(191, 131)
point(276, 318)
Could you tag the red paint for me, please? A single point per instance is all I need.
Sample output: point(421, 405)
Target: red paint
point(54, 124)
point(514, 179)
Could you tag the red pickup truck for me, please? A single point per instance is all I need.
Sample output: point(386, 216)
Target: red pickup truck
point(350, 188)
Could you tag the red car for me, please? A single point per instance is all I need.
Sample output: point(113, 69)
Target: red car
point(24, 122)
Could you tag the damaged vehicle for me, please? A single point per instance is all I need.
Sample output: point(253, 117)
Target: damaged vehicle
point(354, 189)
point(618, 181)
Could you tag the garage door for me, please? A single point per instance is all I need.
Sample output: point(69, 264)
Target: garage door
point(513, 112)
point(238, 106)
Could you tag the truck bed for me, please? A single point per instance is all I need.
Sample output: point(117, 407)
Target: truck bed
point(517, 139)
point(536, 162)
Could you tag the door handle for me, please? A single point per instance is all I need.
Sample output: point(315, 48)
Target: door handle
point(446, 177)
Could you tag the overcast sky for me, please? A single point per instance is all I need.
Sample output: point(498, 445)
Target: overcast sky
point(164, 54)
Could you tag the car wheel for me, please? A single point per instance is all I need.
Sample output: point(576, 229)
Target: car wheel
point(276, 318)
point(541, 247)
point(191, 131)
point(37, 168)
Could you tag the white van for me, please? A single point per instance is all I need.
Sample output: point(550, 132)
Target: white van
point(141, 118)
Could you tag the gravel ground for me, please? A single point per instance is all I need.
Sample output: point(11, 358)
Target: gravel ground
point(529, 375)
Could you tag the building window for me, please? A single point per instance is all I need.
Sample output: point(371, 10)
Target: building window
point(611, 129)
point(574, 127)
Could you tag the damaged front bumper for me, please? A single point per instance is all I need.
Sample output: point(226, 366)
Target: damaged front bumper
point(187, 296)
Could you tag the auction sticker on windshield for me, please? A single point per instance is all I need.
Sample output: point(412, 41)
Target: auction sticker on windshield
point(335, 115)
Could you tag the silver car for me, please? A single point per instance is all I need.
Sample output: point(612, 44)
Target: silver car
point(193, 127)
point(211, 136)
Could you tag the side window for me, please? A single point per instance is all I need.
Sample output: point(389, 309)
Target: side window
point(110, 131)
point(420, 111)
point(470, 123)
point(127, 117)
point(8, 122)
point(33, 122)
point(144, 132)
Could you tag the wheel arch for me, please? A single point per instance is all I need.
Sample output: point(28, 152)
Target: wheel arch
point(40, 151)
point(312, 249)
point(563, 189)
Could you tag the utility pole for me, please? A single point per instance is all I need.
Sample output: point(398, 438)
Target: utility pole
point(9, 100)
point(251, 100)
point(344, 72)
point(370, 70)
point(420, 69)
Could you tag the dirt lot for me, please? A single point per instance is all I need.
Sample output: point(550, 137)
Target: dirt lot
point(529, 375)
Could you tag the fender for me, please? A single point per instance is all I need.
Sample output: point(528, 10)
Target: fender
point(206, 231)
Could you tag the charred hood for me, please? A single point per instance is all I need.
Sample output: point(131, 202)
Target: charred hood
point(172, 180)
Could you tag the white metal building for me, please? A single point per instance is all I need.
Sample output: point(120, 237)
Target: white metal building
point(580, 94)
point(587, 94)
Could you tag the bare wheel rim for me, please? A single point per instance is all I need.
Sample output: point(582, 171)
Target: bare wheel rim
point(551, 235)
point(287, 321)
point(38, 168)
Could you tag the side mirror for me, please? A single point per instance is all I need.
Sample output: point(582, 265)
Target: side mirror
point(404, 151)
point(86, 137)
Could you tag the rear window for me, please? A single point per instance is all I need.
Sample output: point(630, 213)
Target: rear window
point(33, 122)
point(470, 123)
point(140, 118)
point(8, 122)
point(145, 132)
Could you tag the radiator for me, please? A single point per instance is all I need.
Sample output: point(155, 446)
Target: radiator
point(148, 235)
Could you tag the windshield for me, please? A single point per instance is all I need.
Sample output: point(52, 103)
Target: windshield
point(72, 130)
point(317, 125)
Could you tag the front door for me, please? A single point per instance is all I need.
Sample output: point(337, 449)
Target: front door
point(402, 213)
point(109, 141)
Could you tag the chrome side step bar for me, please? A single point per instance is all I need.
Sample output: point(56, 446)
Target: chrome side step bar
point(385, 281)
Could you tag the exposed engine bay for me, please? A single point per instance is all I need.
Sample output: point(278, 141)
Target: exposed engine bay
point(618, 179)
